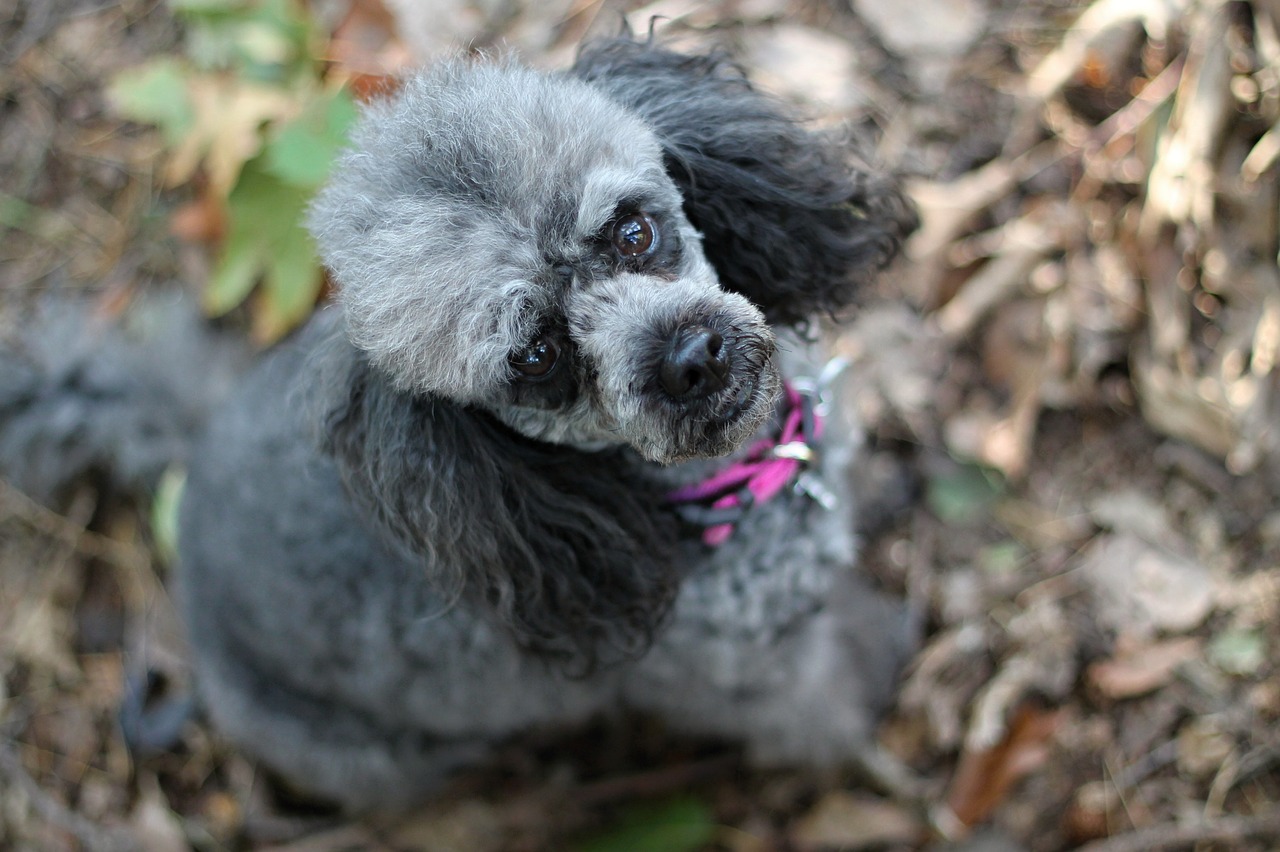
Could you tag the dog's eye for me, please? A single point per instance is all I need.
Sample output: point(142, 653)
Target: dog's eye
point(635, 235)
point(537, 361)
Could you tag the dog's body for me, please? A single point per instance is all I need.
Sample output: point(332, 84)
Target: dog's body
point(331, 654)
point(443, 513)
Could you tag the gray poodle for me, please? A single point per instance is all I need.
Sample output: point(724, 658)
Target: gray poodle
point(557, 451)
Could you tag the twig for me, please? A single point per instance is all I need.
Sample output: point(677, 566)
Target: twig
point(1132, 115)
point(1237, 770)
point(55, 526)
point(1025, 243)
point(1230, 830)
point(656, 781)
point(48, 808)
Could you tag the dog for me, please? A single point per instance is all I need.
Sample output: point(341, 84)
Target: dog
point(564, 444)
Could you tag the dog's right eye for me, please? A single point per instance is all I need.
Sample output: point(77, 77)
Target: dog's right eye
point(537, 361)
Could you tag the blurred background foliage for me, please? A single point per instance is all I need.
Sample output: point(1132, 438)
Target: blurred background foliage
point(249, 109)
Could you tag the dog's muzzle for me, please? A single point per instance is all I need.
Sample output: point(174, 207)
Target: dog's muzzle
point(682, 370)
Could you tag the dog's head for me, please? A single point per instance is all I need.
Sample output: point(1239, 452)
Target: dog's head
point(593, 260)
point(522, 243)
point(512, 241)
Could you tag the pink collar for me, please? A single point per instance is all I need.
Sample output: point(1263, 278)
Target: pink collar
point(718, 502)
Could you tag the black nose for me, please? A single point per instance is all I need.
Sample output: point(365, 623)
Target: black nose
point(693, 366)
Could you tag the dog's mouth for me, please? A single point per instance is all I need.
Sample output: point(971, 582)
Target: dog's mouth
point(742, 416)
point(745, 400)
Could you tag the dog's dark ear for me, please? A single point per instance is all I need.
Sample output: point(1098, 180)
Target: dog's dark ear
point(568, 550)
point(792, 219)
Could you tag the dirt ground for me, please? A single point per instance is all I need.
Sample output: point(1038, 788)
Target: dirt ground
point(1070, 390)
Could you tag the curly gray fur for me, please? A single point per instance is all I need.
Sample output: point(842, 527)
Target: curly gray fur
point(436, 517)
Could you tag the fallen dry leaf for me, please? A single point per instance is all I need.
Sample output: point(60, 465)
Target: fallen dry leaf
point(1133, 511)
point(1140, 670)
point(1042, 666)
point(945, 676)
point(366, 50)
point(436, 28)
point(1203, 746)
point(844, 820)
point(983, 778)
point(1092, 812)
point(203, 220)
point(229, 113)
point(807, 66)
point(1141, 589)
point(1101, 38)
point(932, 37)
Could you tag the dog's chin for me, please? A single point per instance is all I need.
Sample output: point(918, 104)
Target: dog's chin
point(726, 429)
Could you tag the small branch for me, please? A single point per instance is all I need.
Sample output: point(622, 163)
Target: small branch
point(55, 526)
point(1229, 830)
point(89, 835)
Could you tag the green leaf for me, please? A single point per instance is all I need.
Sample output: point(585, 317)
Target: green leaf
point(19, 215)
point(164, 512)
point(304, 149)
point(202, 7)
point(239, 267)
point(156, 93)
point(267, 243)
point(211, 43)
point(1239, 651)
point(291, 287)
point(1002, 558)
point(965, 494)
point(680, 825)
point(266, 41)
point(275, 43)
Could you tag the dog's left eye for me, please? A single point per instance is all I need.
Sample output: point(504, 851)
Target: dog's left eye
point(635, 235)
point(537, 361)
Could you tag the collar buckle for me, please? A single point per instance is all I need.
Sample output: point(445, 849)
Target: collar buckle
point(795, 451)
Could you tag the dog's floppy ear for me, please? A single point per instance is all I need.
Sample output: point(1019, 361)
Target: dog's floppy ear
point(792, 219)
point(565, 548)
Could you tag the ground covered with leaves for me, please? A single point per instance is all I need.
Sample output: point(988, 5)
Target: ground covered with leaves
point(1074, 366)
